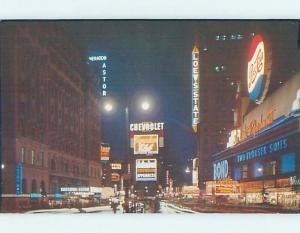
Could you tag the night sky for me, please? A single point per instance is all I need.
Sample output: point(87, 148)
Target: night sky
point(153, 58)
point(146, 58)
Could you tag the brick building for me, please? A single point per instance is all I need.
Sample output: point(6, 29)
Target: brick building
point(50, 114)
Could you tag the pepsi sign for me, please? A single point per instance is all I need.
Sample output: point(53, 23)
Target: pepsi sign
point(258, 76)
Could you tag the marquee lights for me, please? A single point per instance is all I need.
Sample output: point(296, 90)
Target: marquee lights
point(195, 89)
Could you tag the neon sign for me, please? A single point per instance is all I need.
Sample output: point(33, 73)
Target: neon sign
point(147, 126)
point(19, 177)
point(221, 170)
point(195, 89)
point(259, 69)
point(263, 150)
point(102, 78)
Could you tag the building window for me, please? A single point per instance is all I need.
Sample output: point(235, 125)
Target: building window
point(33, 186)
point(24, 186)
point(42, 188)
point(245, 171)
point(237, 173)
point(32, 156)
point(270, 169)
point(66, 167)
point(54, 188)
point(22, 155)
point(288, 163)
point(273, 167)
point(53, 165)
point(42, 159)
point(258, 169)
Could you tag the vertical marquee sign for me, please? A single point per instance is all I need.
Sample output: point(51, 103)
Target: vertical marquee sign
point(102, 78)
point(19, 177)
point(195, 89)
point(259, 69)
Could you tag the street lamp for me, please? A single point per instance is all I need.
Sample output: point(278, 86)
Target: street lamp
point(145, 105)
point(108, 107)
point(2, 166)
point(187, 170)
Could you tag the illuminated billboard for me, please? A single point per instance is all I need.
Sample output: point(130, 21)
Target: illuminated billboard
point(115, 177)
point(195, 172)
point(104, 152)
point(116, 166)
point(195, 89)
point(146, 170)
point(145, 144)
point(147, 126)
point(259, 70)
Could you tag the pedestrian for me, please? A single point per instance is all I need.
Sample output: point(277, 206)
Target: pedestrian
point(115, 203)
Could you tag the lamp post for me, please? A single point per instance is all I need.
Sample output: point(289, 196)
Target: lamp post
point(1, 183)
point(145, 106)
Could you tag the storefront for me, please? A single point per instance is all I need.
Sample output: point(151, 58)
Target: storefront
point(267, 165)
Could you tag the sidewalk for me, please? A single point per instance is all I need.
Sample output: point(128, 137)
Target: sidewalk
point(96, 209)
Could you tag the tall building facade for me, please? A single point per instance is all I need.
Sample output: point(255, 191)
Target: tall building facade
point(50, 114)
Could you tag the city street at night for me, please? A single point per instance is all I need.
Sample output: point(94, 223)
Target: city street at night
point(150, 116)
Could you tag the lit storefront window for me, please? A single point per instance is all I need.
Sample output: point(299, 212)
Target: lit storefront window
point(288, 163)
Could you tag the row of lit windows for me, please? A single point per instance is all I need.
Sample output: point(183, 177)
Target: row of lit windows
point(229, 37)
point(258, 169)
point(33, 158)
point(65, 167)
point(39, 159)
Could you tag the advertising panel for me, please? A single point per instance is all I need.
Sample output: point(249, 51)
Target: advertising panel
point(220, 170)
point(115, 177)
point(104, 152)
point(259, 70)
point(227, 189)
point(147, 126)
point(195, 172)
point(146, 170)
point(263, 150)
point(116, 166)
point(145, 144)
point(223, 187)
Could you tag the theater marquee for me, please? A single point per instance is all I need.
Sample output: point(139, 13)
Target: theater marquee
point(195, 89)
